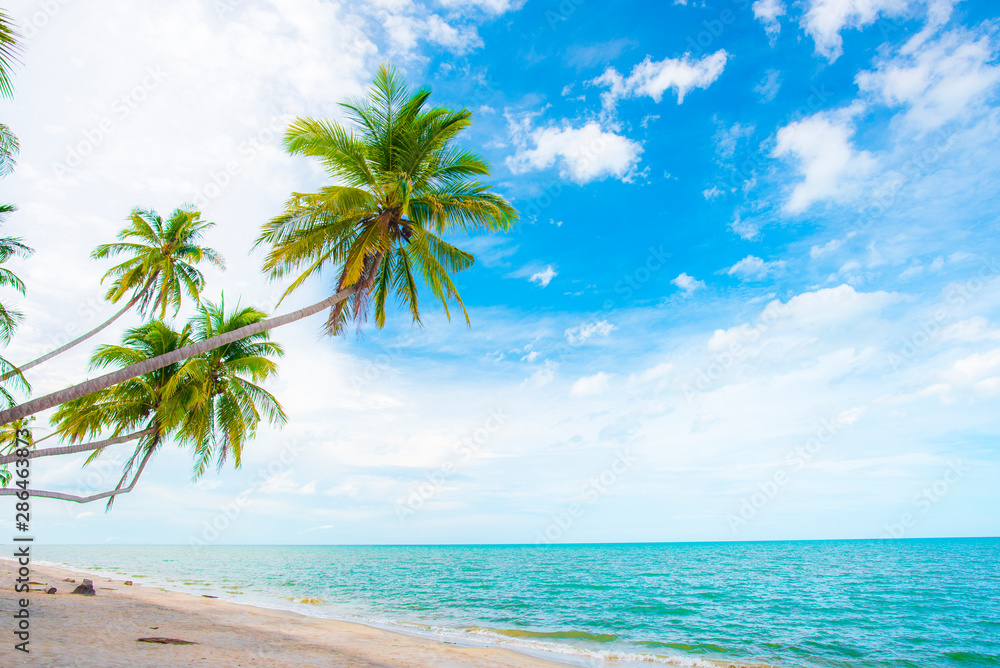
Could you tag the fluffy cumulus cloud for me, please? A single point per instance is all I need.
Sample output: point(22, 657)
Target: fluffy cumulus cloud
point(584, 154)
point(752, 268)
point(820, 145)
point(688, 284)
point(824, 20)
point(768, 12)
point(653, 78)
point(936, 80)
point(590, 386)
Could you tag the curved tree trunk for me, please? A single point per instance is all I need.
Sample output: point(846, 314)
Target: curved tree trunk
point(80, 339)
point(81, 447)
point(187, 352)
point(83, 499)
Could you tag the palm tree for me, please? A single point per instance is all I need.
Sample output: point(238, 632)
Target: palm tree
point(13, 436)
point(402, 183)
point(211, 402)
point(9, 49)
point(153, 405)
point(9, 148)
point(9, 318)
point(160, 266)
point(230, 403)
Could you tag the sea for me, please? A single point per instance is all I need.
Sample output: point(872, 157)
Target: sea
point(811, 604)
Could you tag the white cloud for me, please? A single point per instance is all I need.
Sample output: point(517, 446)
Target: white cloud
point(495, 7)
point(817, 251)
point(584, 154)
point(769, 85)
point(842, 304)
point(821, 145)
point(542, 376)
point(767, 12)
point(657, 372)
point(590, 386)
point(581, 333)
point(653, 78)
point(746, 228)
point(543, 277)
point(974, 369)
point(687, 283)
point(753, 268)
point(938, 81)
point(824, 20)
point(727, 139)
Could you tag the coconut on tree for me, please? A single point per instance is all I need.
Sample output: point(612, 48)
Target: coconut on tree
point(400, 185)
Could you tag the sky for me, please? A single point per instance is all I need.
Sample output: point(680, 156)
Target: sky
point(753, 294)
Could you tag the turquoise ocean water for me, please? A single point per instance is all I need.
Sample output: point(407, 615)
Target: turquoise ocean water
point(908, 603)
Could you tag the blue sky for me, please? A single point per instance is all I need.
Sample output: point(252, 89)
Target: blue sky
point(753, 294)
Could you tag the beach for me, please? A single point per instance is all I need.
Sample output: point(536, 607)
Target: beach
point(103, 630)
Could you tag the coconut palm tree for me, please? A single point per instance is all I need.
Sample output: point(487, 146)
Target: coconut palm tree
point(160, 266)
point(152, 405)
point(9, 148)
point(211, 402)
point(230, 403)
point(13, 436)
point(9, 48)
point(401, 183)
point(10, 318)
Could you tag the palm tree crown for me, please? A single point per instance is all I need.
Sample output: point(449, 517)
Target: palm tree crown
point(211, 402)
point(230, 404)
point(161, 259)
point(400, 184)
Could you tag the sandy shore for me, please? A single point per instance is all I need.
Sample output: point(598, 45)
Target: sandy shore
point(71, 630)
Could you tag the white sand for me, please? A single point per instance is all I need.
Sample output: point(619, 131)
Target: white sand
point(70, 630)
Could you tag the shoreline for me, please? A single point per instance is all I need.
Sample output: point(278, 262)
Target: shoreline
point(103, 630)
point(231, 633)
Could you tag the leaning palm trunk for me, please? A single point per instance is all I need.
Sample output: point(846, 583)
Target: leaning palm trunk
point(80, 339)
point(84, 499)
point(185, 353)
point(79, 447)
